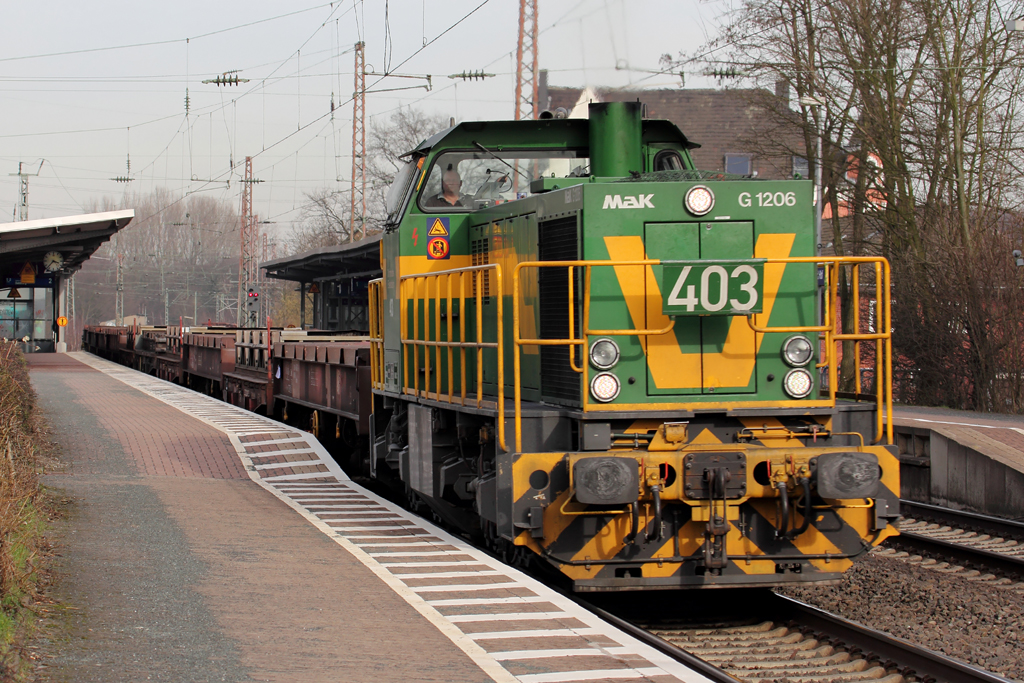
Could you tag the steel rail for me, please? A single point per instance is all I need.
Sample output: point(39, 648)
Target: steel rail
point(888, 649)
point(963, 554)
point(972, 520)
point(677, 653)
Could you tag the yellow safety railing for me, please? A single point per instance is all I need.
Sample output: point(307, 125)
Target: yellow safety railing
point(883, 372)
point(834, 336)
point(376, 298)
point(415, 293)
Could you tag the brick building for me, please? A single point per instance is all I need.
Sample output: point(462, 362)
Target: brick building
point(734, 128)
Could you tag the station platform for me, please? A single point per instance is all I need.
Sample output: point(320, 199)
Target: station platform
point(966, 460)
point(207, 543)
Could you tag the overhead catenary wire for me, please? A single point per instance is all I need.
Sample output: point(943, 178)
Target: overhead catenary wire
point(220, 176)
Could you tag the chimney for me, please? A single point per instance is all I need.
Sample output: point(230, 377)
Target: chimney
point(782, 91)
point(543, 99)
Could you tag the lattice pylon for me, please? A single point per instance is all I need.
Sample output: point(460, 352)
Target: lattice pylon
point(527, 106)
point(248, 260)
point(357, 213)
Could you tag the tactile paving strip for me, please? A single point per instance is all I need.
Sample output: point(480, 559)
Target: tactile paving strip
point(512, 626)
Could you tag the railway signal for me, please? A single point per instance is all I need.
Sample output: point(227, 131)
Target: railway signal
point(252, 299)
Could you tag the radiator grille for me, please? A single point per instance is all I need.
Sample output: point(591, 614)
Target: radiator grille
point(558, 241)
point(480, 257)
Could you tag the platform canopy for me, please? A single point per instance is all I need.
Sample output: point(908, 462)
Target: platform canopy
point(346, 261)
point(75, 237)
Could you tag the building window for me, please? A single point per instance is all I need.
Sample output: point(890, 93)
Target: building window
point(27, 314)
point(801, 168)
point(738, 164)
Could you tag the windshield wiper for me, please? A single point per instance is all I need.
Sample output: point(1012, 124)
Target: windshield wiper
point(495, 156)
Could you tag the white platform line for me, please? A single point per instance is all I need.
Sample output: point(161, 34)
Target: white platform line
point(361, 520)
point(286, 465)
point(536, 633)
point(327, 497)
point(415, 553)
point(291, 451)
point(421, 537)
point(364, 528)
point(447, 575)
point(272, 442)
point(594, 675)
point(514, 616)
point(295, 477)
point(467, 602)
point(429, 544)
point(567, 652)
point(260, 432)
point(458, 588)
point(392, 565)
point(315, 488)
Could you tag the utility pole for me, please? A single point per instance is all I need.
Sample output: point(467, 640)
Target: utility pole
point(357, 213)
point(527, 105)
point(248, 263)
point(119, 300)
point(261, 280)
point(22, 213)
point(71, 313)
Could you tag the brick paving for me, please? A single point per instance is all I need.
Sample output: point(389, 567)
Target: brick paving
point(162, 441)
point(175, 566)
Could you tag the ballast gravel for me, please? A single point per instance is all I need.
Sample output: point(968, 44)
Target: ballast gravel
point(974, 621)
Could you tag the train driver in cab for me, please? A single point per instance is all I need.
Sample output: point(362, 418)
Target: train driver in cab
point(451, 191)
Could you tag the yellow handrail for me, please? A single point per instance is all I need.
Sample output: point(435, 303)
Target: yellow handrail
point(883, 358)
point(883, 388)
point(375, 292)
point(432, 283)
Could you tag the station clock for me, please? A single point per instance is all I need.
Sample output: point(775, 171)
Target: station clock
point(53, 261)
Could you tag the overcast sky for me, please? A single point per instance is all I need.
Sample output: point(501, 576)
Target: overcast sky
point(85, 84)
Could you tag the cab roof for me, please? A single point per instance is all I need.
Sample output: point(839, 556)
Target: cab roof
point(555, 133)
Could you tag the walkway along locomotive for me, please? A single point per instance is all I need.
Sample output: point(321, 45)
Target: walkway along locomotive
point(587, 351)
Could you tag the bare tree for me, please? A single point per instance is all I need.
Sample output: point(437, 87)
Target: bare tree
point(325, 219)
point(179, 259)
point(920, 100)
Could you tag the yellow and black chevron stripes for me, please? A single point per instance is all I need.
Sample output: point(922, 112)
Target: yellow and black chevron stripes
point(595, 548)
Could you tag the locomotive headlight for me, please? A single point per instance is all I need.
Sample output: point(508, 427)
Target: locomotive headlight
point(798, 383)
point(604, 354)
point(699, 200)
point(797, 351)
point(605, 387)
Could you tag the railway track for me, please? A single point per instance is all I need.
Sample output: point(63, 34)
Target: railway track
point(790, 641)
point(966, 538)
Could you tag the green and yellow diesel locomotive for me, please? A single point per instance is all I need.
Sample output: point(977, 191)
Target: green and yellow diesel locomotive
point(586, 351)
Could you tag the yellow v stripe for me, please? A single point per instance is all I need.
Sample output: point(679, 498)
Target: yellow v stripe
point(670, 367)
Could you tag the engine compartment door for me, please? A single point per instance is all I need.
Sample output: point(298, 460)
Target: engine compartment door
point(707, 354)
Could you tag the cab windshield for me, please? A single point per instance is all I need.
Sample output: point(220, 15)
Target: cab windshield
point(398, 191)
point(467, 181)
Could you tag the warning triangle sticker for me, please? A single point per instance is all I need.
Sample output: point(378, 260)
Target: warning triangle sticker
point(14, 294)
point(438, 229)
point(314, 288)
